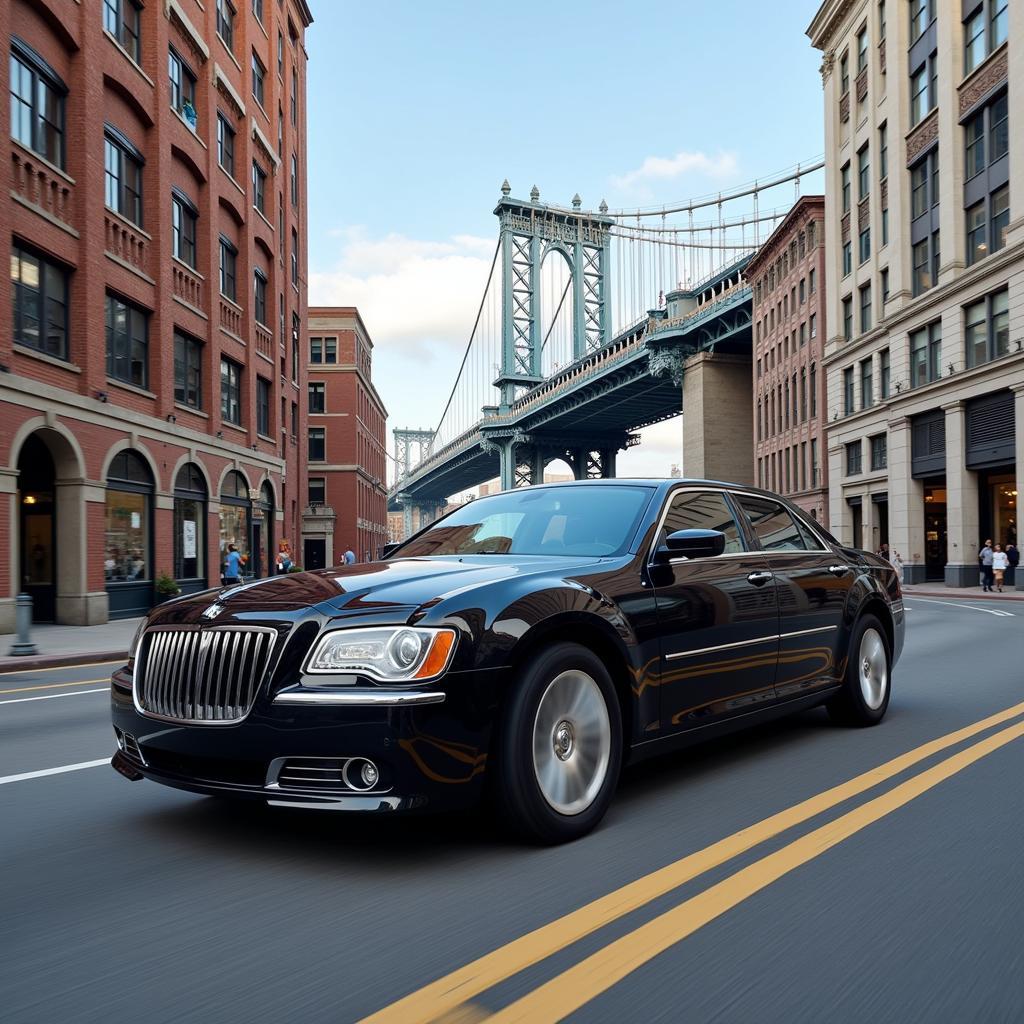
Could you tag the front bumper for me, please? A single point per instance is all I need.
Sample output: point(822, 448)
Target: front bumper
point(429, 746)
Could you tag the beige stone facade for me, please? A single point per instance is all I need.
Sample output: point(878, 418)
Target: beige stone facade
point(924, 358)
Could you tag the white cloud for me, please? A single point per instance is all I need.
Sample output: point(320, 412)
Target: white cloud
point(661, 447)
point(412, 293)
point(661, 168)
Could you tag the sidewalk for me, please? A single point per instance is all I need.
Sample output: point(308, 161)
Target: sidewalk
point(937, 589)
point(70, 645)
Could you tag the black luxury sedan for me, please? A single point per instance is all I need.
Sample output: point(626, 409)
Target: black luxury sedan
point(521, 648)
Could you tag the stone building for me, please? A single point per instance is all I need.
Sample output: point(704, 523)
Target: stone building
point(924, 145)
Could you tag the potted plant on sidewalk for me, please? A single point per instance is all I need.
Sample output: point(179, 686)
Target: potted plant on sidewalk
point(166, 587)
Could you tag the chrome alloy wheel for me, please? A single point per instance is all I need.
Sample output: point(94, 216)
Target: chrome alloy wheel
point(572, 742)
point(873, 669)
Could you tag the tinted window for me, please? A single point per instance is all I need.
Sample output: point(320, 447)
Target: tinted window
point(587, 521)
point(775, 528)
point(702, 510)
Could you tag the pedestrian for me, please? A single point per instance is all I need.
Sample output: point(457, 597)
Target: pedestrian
point(1013, 557)
point(985, 558)
point(233, 565)
point(883, 552)
point(350, 556)
point(897, 564)
point(1000, 563)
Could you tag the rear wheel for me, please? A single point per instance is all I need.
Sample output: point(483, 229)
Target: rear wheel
point(560, 746)
point(864, 697)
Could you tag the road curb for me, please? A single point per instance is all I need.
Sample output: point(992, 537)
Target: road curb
point(34, 662)
point(965, 595)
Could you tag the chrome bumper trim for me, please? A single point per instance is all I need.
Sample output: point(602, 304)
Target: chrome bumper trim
point(360, 698)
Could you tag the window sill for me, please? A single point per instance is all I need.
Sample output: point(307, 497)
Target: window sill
point(138, 229)
point(265, 437)
point(192, 410)
point(131, 60)
point(133, 388)
point(45, 357)
point(229, 52)
point(188, 269)
point(233, 426)
point(194, 132)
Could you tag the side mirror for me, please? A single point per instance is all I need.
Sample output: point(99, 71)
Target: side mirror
point(692, 544)
point(385, 550)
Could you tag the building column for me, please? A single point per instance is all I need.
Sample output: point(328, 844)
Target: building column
point(838, 510)
point(906, 503)
point(869, 539)
point(962, 523)
point(76, 501)
point(608, 463)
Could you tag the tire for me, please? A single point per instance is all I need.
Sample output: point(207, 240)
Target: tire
point(559, 746)
point(864, 698)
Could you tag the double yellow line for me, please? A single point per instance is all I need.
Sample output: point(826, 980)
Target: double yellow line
point(449, 998)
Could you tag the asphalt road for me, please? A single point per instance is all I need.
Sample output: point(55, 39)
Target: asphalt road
point(898, 897)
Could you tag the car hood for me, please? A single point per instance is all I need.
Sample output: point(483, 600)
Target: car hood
point(377, 586)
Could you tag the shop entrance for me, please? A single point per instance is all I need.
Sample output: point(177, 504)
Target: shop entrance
point(38, 528)
point(935, 529)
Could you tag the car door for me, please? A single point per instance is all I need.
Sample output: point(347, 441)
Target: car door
point(717, 616)
point(812, 584)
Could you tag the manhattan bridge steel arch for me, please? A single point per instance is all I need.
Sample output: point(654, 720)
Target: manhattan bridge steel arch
point(528, 233)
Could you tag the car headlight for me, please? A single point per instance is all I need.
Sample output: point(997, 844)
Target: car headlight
point(391, 654)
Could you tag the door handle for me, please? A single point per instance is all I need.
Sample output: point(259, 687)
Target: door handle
point(760, 578)
point(839, 570)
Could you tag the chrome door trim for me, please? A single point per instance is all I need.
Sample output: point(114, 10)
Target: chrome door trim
point(359, 698)
point(770, 638)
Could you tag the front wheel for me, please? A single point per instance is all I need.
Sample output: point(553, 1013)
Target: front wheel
point(864, 698)
point(559, 746)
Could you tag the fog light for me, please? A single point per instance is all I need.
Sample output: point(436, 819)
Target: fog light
point(360, 774)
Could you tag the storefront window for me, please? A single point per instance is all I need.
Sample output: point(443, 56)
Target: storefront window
point(190, 524)
point(263, 532)
point(128, 551)
point(235, 511)
point(1003, 502)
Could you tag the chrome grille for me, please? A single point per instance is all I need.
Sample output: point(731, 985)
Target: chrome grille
point(206, 675)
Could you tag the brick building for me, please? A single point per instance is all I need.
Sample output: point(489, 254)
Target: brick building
point(150, 384)
point(787, 278)
point(347, 489)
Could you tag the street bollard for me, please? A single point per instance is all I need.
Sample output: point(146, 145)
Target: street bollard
point(23, 614)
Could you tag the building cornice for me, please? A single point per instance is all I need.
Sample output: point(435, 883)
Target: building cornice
point(828, 20)
point(771, 244)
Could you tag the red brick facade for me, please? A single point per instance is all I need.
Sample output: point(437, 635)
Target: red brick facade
point(348, 489)
point(787, 277)
point(85, 408)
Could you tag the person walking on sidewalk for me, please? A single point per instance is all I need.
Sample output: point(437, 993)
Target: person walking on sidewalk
point(1013, 557)
point(1000, 563)
point(985, 558)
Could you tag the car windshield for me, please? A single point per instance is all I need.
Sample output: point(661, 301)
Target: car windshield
point(587, 520)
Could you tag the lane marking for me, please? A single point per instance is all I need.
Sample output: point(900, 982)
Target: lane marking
point(53, 771)
point(54, 686)
point(452, 990)
point(55, 696)
point(577, 986)
point(62, 668)
point(971, 607)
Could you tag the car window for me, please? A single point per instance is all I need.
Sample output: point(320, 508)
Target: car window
point(702, 510)
point(589, 520)
point(811, 542)
point(775, 528)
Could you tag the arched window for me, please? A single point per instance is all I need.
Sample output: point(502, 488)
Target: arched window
point(127, 565)
point(235, 514)
point(190, 528)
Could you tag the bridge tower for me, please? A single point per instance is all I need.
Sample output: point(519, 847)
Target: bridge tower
point(405, 442)
point(529, 232)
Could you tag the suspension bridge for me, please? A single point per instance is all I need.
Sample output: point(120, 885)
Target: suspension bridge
point(589, 324)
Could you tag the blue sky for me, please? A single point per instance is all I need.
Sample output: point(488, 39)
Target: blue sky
point(418, 111)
